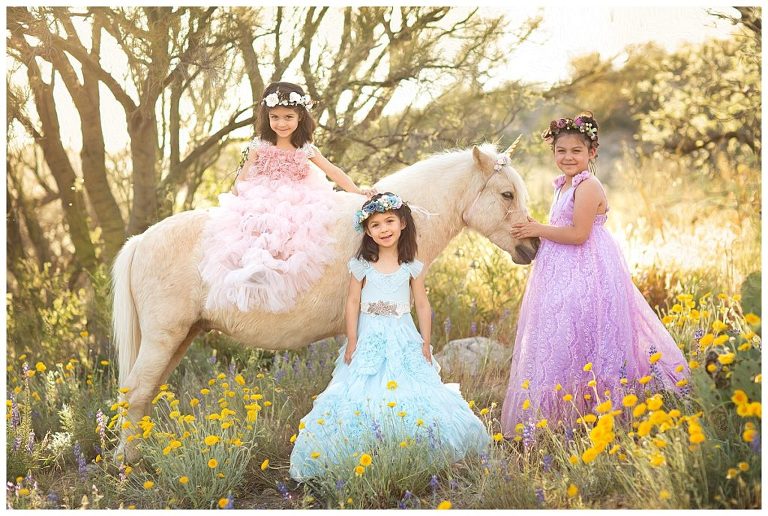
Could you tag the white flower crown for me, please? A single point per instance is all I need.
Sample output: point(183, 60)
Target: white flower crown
point(294, 99)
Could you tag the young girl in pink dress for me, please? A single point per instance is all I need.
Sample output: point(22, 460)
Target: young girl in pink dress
point(268, 240)
point(580, 306)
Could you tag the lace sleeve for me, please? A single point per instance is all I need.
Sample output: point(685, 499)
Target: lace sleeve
point(358, 268)
point(310, 150)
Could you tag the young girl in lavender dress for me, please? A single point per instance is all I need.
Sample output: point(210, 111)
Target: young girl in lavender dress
point(580, 306)
point(268, 240)
point(385, 385)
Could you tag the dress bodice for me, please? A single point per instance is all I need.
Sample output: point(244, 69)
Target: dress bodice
point(277, 163)
point(561, 212)
point(385, 290)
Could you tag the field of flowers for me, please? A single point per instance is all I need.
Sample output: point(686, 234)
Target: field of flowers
point(221, 431)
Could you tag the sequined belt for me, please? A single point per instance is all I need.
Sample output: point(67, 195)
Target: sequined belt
point(385, 308)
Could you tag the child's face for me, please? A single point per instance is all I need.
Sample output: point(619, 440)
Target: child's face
point(283, 121)
point(572, 154)
point(385, 228)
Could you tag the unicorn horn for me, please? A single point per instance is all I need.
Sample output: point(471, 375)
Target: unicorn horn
point(511, 149)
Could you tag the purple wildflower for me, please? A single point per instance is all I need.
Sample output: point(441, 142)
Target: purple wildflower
point(434, 483)
point(283, 490)
point(540, 495)
point(279, 375)
point(81, 465)
point(230, 502)
point(15, 414)
point(53, 498)
point(340, 484)
point(755, 444)
point(102, 426)
point(212, 359)
point(506, 313)
point(31, 441)
point(377, 430)
point(547, 463)
point(698, 334)
point(528, 434)
point(17, 443)
point(568, 435)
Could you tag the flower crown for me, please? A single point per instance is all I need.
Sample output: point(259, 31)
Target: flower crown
point(386, 202)
point(583, 124)
point(294, 99)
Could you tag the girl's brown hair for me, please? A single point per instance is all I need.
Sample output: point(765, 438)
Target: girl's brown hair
point(303, 133)
point(406, 245)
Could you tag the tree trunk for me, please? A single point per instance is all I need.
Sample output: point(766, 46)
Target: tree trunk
point(72, 202)
point(142, 128)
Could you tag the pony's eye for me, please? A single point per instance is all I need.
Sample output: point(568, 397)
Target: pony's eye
point(508, 195)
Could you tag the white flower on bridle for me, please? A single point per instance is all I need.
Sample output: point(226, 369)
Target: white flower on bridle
point(294, 99)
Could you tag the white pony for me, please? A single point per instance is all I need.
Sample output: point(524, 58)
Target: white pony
point(159, 296)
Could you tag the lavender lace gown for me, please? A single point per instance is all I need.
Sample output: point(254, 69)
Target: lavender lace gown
point(581, 306)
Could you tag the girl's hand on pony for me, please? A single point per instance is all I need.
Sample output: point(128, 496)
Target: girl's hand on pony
point(348, 353)
point(426, 352)
point(530, 229)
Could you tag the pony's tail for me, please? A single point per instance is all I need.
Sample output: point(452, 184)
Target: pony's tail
point(125, 320)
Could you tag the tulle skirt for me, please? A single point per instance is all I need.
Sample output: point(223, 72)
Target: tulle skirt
point(269, 243)
point(388, 392)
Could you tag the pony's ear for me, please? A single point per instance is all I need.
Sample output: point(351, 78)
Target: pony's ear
point(483, 160)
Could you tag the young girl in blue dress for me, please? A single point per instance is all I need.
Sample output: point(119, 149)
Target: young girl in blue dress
point(386, 384)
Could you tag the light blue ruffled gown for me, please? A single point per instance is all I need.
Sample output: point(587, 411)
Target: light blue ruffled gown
point(387, 366)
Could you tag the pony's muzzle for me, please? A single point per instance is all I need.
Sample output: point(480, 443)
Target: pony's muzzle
point(527, 251)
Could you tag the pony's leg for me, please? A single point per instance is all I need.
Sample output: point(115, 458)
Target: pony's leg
point(180, 352)
point(156, 355)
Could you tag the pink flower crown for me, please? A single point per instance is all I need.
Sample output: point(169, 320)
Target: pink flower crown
point(583, 124)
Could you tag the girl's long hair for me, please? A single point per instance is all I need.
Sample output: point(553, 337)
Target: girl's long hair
point(303, 133)
point(406, 245)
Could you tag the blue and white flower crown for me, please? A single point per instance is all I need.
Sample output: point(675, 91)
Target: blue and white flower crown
point(294, 99)
point(386, 202)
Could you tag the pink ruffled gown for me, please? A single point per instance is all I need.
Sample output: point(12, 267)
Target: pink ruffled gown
point(271, 241)
point(581, 306)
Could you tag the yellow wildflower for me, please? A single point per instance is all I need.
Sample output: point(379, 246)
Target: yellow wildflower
point(706, 340)
point(568, 397)
point(743, 466)
point(630, 400)
point(419, 422)
point(213, 463)
point(391, 404)
point(444, 505)
point(526, 404)
point(149, 484)
point(739, 397)
point(655, 357)
point(184, 480)
point(722, 339)
point(359, 470)
point(541, 424)
point(391, 385)
point(588, 366)
point(644, 380)
point(591, 383)
point(589, 455)
point(655, 402)
point(210, 440)
point(40, 367)
point(293, 438)
point(731, 473)
point(719, 326)
point(365, 460)
point(657, 460)
point(572, 490)
point(484, 411)
point(558, 388)
point(604, 407)
point(498, 436)
point(265, 464)
point(752, 319)
point(573, 459)
point(664, 494)
point(726, 358)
